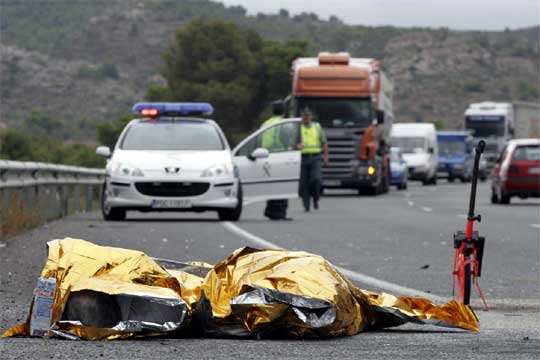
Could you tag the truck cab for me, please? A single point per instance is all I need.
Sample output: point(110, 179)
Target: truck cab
point(492, 122)
point(456, 156)
point(418, 142)
point(351, 98)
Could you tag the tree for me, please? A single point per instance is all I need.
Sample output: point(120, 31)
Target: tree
point(108, 132)
point(211, 61)
point(232, 68)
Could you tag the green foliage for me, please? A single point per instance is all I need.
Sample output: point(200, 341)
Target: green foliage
point(108, 132)
point(15, 145)
point(527, 91)
point(473, 86)
point(234, 69)
point(439, 125)
point(109, 71)
point(158, 92)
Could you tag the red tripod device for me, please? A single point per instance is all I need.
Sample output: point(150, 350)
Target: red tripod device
point(469, 246)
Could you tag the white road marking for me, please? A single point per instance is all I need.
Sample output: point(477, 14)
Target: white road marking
point(461, 216)
point(364, 279)
point(427, 209)
point(537, 226)
point(411, 203)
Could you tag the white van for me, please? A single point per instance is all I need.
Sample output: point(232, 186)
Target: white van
point(418, 142)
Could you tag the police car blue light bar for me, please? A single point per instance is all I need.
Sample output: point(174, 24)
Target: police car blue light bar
point(154, 109)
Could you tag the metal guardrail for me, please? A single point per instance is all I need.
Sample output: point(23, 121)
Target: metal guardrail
point(33, 193)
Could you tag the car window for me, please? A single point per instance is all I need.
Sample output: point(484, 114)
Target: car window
point(278, 138)
point(531, 153)
point(172, 135)
point(409, 145)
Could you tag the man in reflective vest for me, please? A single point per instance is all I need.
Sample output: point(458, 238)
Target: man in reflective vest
point(314, 150)
point(275, 209)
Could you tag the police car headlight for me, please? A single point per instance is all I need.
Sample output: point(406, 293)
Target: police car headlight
point(125, 170)
point(215, 171)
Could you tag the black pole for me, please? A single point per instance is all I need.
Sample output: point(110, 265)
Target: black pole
point(479, 150)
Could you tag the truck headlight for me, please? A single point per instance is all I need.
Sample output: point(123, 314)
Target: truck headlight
point(215, 171)
point(371, 170)
point(126, 170)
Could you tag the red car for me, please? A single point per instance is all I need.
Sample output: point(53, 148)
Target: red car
point(517, 171)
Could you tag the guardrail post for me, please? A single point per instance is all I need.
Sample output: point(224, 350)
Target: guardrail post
point(41, 202)
point(3, 210)
point(64, 200)
point(53, 202)
point(77, 198)
point(89, 197)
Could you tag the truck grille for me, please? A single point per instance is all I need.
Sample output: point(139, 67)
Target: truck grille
point(342, 152)
point(172, 189)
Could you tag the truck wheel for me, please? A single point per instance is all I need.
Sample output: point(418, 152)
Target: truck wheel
point(434, 180)
point(234, 213)
point(425, 182)
point(450, 179)
point(110, 213)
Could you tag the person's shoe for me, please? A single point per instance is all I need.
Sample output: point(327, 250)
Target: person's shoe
point(306, 209)
point(316, 205)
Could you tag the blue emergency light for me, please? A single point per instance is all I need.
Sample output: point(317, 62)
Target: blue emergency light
point(154, 109)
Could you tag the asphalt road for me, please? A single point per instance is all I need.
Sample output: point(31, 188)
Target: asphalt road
point(393, 243)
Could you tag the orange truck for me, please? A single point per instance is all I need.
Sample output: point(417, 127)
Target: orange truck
point(352, 100)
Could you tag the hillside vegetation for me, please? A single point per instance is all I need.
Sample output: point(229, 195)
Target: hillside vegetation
point(84, 62)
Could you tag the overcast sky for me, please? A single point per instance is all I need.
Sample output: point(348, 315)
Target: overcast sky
point(455, 14)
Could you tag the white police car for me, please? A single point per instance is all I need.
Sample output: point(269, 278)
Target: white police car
point(170, 160)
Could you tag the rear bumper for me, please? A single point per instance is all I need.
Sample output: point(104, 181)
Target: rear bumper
point(519, 186)
point(398, 179)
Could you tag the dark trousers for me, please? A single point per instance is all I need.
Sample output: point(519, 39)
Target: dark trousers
point(276, 209)
point(310, 179)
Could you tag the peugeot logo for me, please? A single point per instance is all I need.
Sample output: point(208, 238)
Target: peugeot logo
point(172, 170)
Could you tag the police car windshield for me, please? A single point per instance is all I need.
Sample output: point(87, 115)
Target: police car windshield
point(172, 135)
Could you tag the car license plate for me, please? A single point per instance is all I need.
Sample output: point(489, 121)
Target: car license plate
point(165, 204)
point(534, 170)
point(332, 183)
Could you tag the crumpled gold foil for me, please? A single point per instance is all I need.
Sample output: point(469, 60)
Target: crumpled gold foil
point(80, 265)
point(271, 291)
point(253, 293)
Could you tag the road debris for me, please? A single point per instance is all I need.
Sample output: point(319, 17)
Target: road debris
point(113, 293)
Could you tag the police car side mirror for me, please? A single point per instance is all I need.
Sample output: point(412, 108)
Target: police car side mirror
point(259, 153)
point(104, 151)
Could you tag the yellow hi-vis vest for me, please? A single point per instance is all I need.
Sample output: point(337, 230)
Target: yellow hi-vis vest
point(270, 138)
point(311, 138)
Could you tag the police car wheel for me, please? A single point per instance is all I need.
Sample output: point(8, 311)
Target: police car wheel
point(232, 214)
point(110, 213)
